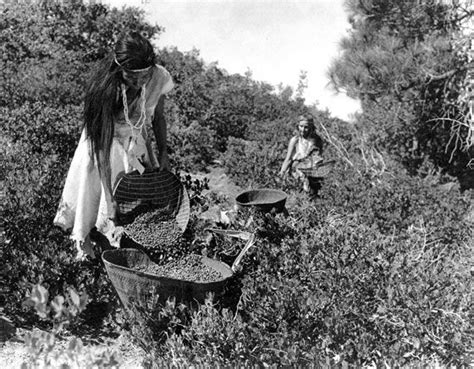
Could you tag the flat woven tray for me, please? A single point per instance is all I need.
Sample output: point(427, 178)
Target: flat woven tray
point(137, 193)
point(320, 170)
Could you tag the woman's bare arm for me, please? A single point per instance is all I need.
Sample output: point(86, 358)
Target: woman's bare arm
point(160, 131)
point(287, 162)
point(106, 180)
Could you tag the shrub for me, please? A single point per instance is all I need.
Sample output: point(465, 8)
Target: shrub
point(254, 164)
point(192, 148)
point(327, 286)
point(43, 348)
point(40, 140)
point(48, 48)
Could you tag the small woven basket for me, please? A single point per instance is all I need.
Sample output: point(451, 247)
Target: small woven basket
point(320, 170)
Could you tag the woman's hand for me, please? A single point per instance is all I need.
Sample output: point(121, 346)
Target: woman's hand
point(112, 210)
point(160, 130)
point(164, 162)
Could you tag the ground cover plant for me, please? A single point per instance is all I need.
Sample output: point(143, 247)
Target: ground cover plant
point(324, 286)
point(373, 270)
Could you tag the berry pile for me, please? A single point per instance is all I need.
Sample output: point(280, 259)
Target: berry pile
point(153, 228)
point(190, 268)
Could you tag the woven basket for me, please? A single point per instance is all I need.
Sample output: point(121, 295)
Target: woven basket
point(148, 290)
point(320, 170)
point(136, 193)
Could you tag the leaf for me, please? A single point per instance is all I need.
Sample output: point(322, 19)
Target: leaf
point(416, 343)
point(74, 297)
point(40, 294)
point(84, 300)
point(72, 344)
point(58, 304)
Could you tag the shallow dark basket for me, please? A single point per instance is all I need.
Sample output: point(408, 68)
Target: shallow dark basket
point(264, 199)
point(149, 290)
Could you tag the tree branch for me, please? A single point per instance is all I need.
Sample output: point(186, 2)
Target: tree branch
point(438, 77)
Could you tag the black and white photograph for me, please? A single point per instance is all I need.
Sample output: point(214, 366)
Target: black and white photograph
point(237, 184)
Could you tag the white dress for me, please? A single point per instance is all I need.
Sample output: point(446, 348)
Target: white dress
point(83, 205)
point(303, 148)
point(306, 156)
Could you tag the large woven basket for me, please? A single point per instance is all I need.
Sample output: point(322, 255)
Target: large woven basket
point(148, 290)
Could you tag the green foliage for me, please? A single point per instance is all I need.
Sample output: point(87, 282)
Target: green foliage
point(378, 257)
point(64, 309)
point(406, 62)
point(44, 348)
point(327, 286)
point(47, 49)
point(39, 142)
point(42, 128)
point(191, 148)
point(225, 104)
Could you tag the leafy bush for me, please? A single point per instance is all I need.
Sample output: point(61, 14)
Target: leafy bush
point(192, 148)
point(323, 288)
point(395, 202)
point(40, 140)
point(250, 163)
point(41, 128)
point(365, 274)
point(226, 104)
point(48, 48)
point(408, 63)
point(44, 348)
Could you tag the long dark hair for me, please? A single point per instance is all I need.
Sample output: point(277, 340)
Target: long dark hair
point(102, 99)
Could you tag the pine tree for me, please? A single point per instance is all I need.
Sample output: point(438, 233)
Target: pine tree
point(407, 62)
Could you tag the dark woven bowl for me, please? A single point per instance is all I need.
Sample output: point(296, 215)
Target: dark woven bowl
point(264, 199)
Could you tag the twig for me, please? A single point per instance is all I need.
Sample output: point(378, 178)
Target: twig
point(328, 136)
point(438, 77)
point(456, 127)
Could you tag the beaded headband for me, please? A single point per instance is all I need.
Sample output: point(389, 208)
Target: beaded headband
point(130, 70)
point(303, 118)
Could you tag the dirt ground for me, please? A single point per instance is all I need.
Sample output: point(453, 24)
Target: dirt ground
point(13, 351)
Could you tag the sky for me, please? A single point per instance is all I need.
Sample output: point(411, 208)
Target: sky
point(274, 39)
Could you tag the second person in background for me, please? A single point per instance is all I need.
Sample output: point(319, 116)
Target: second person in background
point(304, 151)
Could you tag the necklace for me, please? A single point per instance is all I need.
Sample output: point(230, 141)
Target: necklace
point(142, 118)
